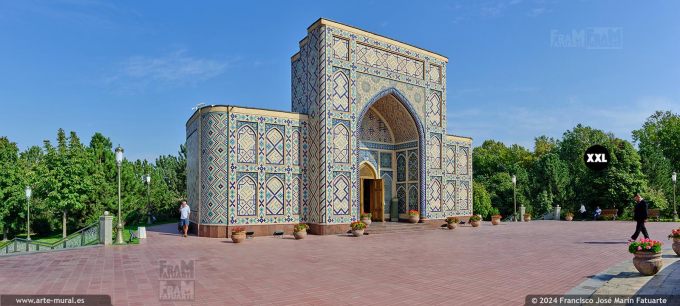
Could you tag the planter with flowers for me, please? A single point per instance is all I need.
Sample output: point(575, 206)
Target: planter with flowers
point(647, 258)
point(569, 216)
point(527, 217)
point(300, 230)
point(366, 218)
point(413, 216)
point(358, 228)
point(452, 222)
point(475, 220)
point(496, 219)
point(238, 234)
point(675, 235)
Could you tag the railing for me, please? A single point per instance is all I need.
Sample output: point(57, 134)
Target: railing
point(84, 237)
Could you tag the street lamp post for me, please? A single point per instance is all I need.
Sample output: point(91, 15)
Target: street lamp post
point(119, 229)
point(674, 177)
point(514, 195)
point(147, 180)
point(28, 206)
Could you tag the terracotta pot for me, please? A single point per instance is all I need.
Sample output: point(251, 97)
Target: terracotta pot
point(527, 218)
point(451, 225)
point(358, 233)
point(475, 223)
point(300, 235)
point(648, 263)
point(413, 219)
point(496, 221)
point(676, 246)
point(366, 221)
point(569, 218)
point(238, 237)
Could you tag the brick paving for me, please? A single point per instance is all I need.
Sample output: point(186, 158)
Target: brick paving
point(489, 265)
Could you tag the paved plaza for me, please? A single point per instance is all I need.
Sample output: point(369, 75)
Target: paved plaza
point(489, 265)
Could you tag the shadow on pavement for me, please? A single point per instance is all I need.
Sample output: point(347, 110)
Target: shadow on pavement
point(605, 242)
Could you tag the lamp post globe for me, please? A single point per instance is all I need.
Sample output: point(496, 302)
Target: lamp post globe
point(119, 226)
point(674, 178)
point(28, 192)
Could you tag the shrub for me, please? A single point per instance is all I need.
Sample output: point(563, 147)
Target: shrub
point(569, 214)
point(496, 217)
point(475, 218)
point(238, 229)
point(413, 212)
point(452, 220)
point(358, 225)
point(674, 234)
point(645, 245)
point(366, 216)
point(300, 227)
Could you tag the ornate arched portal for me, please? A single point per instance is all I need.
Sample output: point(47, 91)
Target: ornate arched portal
point(390, 136)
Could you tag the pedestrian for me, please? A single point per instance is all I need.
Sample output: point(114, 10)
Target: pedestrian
point(184, 212)
point(597, 214)
point(582, 210)
point(640, 216)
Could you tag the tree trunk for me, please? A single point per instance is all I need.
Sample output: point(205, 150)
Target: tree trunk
point(63, 225)
point(4, 234)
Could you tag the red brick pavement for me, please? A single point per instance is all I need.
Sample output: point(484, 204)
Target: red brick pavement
point(489, 265)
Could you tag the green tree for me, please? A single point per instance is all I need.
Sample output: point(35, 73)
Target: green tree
point(481, 200)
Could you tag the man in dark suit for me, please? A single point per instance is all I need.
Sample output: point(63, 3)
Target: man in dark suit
point(640, 216)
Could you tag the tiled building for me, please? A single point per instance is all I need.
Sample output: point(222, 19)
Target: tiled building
point(368, 124)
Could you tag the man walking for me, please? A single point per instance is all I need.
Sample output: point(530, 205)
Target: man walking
point(184, 212)
point(640, 216)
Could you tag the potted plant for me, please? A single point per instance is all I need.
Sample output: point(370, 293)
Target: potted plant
point(496, 219)
point(475, 220)
point(413, 216)
point(366, 218)
point(238, 234)
point(452, 222)
point(358, 228)
point(647, 258)
point(569, 216)
point(527, 217)
point(300, 230)
point(675, 235)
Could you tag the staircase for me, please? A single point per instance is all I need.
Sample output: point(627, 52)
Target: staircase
point(397, 227)
point(84, 237)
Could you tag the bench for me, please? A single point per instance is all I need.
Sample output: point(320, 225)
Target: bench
point(654, 213)
point(610, 213)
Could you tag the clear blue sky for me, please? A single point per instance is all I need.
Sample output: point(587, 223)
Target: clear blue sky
point(132, 70)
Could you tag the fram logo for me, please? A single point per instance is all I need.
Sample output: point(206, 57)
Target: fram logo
point(596, 158)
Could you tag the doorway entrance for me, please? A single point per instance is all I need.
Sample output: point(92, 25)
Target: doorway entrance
point(371, 192)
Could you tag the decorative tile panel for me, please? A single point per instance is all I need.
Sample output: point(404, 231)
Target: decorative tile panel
point(391, 62)
point(341, 193)
point(435, 194)
point(401, 167)
point(385, 159)
point(435, 74)
point(247, 142)
point(450, 159)
point(340, 90)
point(463, 160)
point(434, 105)
point(246, 189)
point(413, 165)
point(464, 195)
point(450, 196)
point(341, 143)
point(401, 196)
point(413, 197)
point(435, 151)
point(274, 144)
point(340, 48)
point(274, 193)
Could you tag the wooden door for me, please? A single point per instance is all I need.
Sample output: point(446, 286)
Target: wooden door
point(377, 201)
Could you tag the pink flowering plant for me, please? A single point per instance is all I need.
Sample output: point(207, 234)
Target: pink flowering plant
point(645, 245)
point(675, 234)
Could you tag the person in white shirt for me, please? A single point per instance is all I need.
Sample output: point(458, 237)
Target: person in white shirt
point(184, 212)
point(583, 212)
